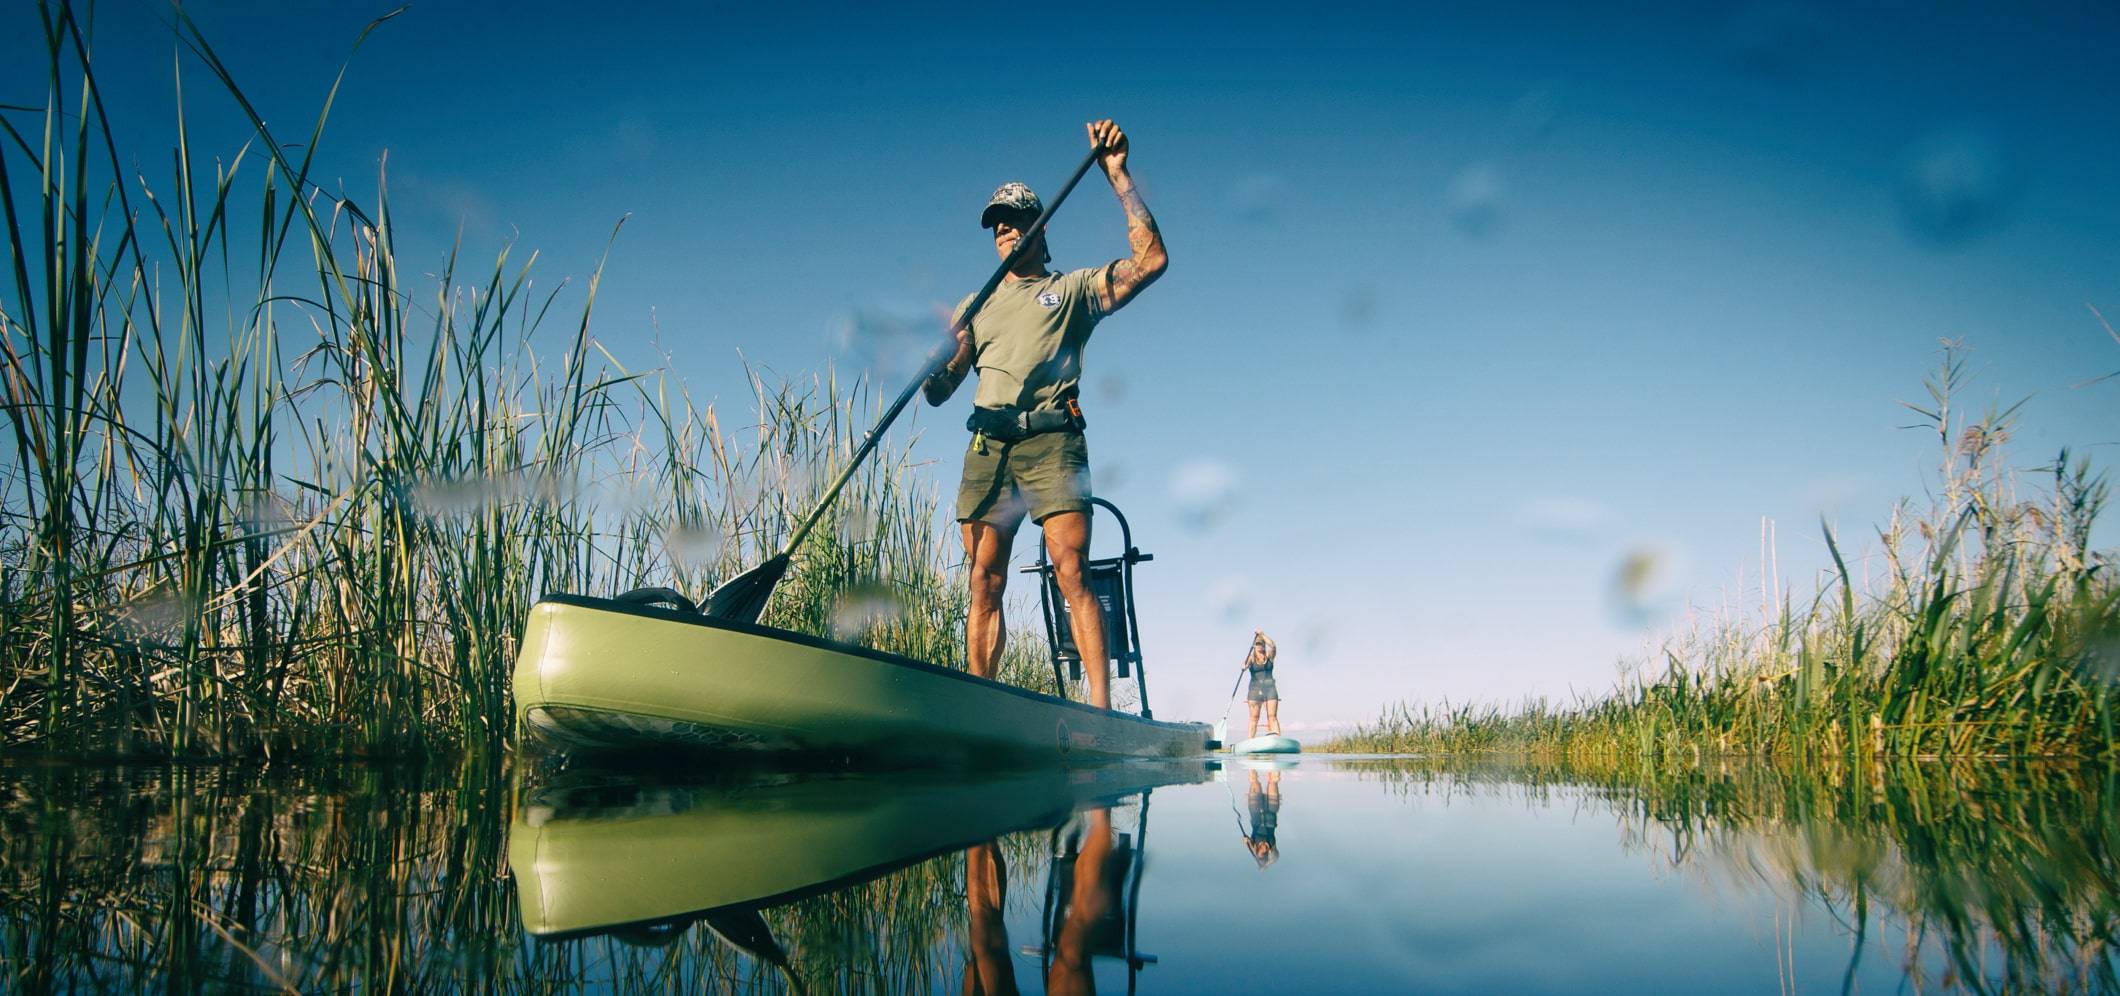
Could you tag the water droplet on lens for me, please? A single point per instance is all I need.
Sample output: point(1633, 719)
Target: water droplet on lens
point(1955, 188)
point(628, 493)
point(1111, 389)
point(1314, 639)
point(886, 345)
point(1011, 506)
point(1533, 117)
point(1230, 599)
point(155, 616)
point(449, 498)
point(857, 526)
point(1256, 198)
point(1829, 494)
point(693, 545)
point(794, 480)
point(1565, 520)
point(550, 490)
point(2103, 650)
point(1202, 492)
point(1476, 200)
point(268, 513)
point(862, 608)
point(1644, 586)
point(1358, 307)
point(635, 137)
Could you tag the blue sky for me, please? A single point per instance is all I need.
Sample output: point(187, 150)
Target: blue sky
point(1466, 305)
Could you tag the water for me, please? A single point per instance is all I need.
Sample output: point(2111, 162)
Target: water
point(1377, 874)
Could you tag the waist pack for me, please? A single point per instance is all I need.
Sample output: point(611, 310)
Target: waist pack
point(1010, 425)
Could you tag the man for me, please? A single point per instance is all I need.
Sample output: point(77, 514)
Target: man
point(1027, 454)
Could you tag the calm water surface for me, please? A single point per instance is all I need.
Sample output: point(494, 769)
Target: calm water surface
point(1350, 874)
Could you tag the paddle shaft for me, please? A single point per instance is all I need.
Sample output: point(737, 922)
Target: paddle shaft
point(1241, 672)
point(941, 355)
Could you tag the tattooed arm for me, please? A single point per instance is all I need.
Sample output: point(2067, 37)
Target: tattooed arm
point(1128, 276)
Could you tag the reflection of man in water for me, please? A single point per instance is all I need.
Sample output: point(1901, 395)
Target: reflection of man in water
point(985, 900)
point(1265, 805)
point(1089, 905)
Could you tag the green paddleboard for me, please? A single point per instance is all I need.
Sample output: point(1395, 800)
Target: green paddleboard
point(595, 672)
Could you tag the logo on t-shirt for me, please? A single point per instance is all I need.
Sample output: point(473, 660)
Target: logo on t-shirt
point(1050, 299)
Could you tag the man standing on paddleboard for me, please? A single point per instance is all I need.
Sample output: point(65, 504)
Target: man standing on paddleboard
point(1027, 454)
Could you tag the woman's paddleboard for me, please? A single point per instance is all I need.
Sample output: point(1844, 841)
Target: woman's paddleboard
point(1272, 743)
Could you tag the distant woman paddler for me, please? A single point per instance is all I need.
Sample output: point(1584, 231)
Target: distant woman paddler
point(1258, 663)
point(1264, 801)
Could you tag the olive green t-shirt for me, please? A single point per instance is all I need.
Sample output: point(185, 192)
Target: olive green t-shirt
point(1027, 339)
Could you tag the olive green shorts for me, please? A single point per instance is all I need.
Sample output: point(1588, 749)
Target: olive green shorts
point(1043, 475)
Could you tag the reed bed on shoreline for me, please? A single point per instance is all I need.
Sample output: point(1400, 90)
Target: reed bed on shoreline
point(259, 495)
point(1994, 630)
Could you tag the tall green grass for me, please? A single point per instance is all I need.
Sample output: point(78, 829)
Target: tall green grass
point(1992, 628)
point(264, 494)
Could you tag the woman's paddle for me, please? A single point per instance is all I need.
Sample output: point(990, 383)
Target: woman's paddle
point(1222, 727)
point(743, 597)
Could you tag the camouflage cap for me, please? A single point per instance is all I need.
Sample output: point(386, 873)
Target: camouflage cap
point(1010, 196)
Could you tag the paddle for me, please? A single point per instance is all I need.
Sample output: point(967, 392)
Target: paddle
point(743, 597)
point(1222, 727)
point(746, 931)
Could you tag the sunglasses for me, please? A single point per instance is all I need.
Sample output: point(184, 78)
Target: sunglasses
point(1016, 220)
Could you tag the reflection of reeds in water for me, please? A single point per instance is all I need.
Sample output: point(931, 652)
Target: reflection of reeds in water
point(2006, 876)
point(208, 878)
point(261, 495)
point(1994, 629)
point(387, 880)
point(2008, 873)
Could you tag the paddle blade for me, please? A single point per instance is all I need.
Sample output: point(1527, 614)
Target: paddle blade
point(747, 931)
point(743, 597)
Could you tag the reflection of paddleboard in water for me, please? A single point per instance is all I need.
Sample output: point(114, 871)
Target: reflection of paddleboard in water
point(592, 850)
point(1271, 743)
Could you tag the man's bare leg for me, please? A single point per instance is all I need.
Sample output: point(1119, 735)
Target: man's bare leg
point(1067, 543)
point(991, 972)
point(986, 549)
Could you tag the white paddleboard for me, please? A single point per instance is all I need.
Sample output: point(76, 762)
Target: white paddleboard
point(1271, 743)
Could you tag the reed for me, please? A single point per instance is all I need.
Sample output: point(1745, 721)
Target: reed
point(1994, 630)
point(263, 495)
